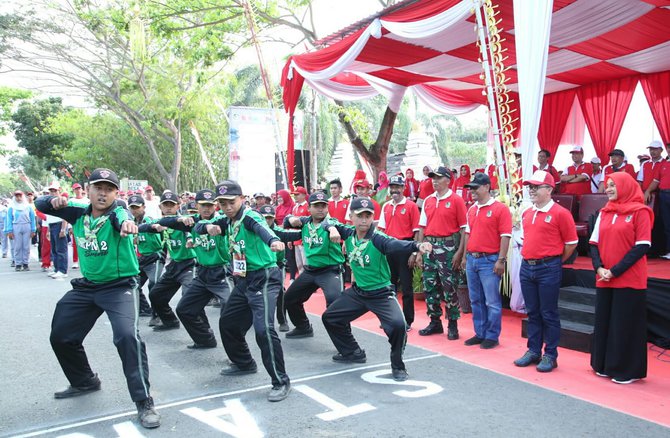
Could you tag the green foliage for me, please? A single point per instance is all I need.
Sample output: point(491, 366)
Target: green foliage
point(33, 167)
point(31, 129)
point(9, 182)
point(8, 96)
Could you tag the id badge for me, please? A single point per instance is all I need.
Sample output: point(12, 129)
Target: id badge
point(239, 265)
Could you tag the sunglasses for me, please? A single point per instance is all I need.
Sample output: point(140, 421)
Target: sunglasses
point(534, 187)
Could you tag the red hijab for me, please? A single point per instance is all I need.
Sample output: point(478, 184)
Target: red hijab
point(284, 209)
point(629, 196)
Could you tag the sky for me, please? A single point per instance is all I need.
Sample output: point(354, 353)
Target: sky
point(330, 16)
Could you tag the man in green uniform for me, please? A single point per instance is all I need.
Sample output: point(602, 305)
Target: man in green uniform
point(212, 277)
point(366, 250)
point(178, 273)
point(323, 267)
point(151, 249)
point(109, 267)
point(258, 281)
point(268, 212)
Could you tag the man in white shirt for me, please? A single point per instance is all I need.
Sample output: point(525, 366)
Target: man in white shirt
point(151, 203)
point(597, 175)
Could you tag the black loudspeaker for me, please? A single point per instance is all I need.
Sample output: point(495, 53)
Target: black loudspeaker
point(279, 185)
point(302, 169)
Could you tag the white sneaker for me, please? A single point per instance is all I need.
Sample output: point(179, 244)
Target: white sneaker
point(667, 256)
point(58, 275)
point(75, 265)
point(53, 274)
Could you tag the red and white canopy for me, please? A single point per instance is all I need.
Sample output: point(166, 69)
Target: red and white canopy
point(429, 47)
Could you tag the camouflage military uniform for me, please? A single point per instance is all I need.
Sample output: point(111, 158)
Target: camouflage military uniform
point(439, 281)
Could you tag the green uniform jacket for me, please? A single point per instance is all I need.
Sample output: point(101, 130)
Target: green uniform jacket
point(209, 250)
point(319, 250)
point(149, 243)
point(176, 242)
point(104, 255)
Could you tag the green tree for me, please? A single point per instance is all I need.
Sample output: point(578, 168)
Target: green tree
point(8, 97)
point(35, 169)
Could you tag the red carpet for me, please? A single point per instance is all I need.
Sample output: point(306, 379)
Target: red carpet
point(657, 268)
point(648, 399)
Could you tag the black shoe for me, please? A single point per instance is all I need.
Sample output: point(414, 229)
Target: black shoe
point(154, 321)
point(18, 268)
point(146, 313)
point(301, 333)
point(528, 358)
point(169, 326)
point(284, 327)
point(452, 330)
point(399, 375)
point(547, 364)
point(26, 268)
point(357, 356)
point(235, 370)
point(76, 391)
point(434, 328)
point(12, 265)
point(279, 392)
point(473, 341)
point(197, 346)
point(488, 344)
point(147, 415)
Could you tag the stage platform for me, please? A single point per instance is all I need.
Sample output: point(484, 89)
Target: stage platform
point(657, 268)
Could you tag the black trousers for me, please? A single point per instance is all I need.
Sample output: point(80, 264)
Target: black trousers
point(281, 306)
point(74, 317)
point(355, 302)
point(210, 281)
point(329, 279)
point(175, 275)
point(252, 302)
point(619, 347)
point(151, 267)
point(401, 275)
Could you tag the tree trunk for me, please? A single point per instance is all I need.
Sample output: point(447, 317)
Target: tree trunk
point(376, 154)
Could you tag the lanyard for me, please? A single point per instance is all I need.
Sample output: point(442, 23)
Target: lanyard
point(356, 255)
point(234, 247)
point(91, 229)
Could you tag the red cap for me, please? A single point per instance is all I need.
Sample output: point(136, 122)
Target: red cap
point(139, 191)
point(76, 186)
point(540, 177)
point(361, 183)
point(299, 189)
point(65, 194)
point(122, 192)
point(148, 188)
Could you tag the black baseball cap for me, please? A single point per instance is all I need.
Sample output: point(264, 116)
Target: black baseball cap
point(169, 197)
point(205, 196)
point(440, 171)
point(267, 211)
point(318, 198)
point(618, 152)
point(135, 200)
point(228, 190)
point(191, 206)
point(361, 204)
point(397, 180)
point(478, 180)
point(104, 175)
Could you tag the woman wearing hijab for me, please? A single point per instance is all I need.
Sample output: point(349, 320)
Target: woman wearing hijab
point(382, 188)
point(619, 243)
point(284, 208)
point(411, 186)
point(20, 227)
point(460, 182)
point(425, 186)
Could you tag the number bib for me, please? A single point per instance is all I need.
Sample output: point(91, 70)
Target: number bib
point(239, 265)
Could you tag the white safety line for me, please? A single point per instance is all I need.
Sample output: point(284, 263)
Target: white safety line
point(214, 396)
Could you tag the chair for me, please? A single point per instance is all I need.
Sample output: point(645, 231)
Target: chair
point(569, 202)
point(589, 205)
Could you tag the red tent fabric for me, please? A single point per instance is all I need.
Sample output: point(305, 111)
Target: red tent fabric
point(657, 90)
point(430, 48)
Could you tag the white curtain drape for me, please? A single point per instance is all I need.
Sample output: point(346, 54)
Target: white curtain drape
point(431, 25)
point(532, 24)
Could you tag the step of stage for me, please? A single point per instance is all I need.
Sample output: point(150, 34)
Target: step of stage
point(576, 312)
point(576, 294)
point(574, 336)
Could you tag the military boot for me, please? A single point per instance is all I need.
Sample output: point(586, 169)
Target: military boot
point(452, 330)
point(434, 328)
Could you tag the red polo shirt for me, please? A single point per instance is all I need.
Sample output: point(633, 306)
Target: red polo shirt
point(300, 210)
point(628, 168)
point(615, 235)
point(662, 175)
point(378, 209)
point(580, 188)
point(339, 209)
point(493, 175)
point(547, 231)
point(443, 217)
point(647, 172)
point(486, 225)
point(551, 170)
point(400, 220)
point(426, 188)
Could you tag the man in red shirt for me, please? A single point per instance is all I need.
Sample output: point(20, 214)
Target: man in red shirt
point(442, 223)
point(487, 237)
point(646, 174)
point(550, 238)
point(662, 183)
point(617, 164)
point(645, 177)
point(400, 219)
point(338, 207)
point(362, 188)
point(575, 179)
point(543, 164)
